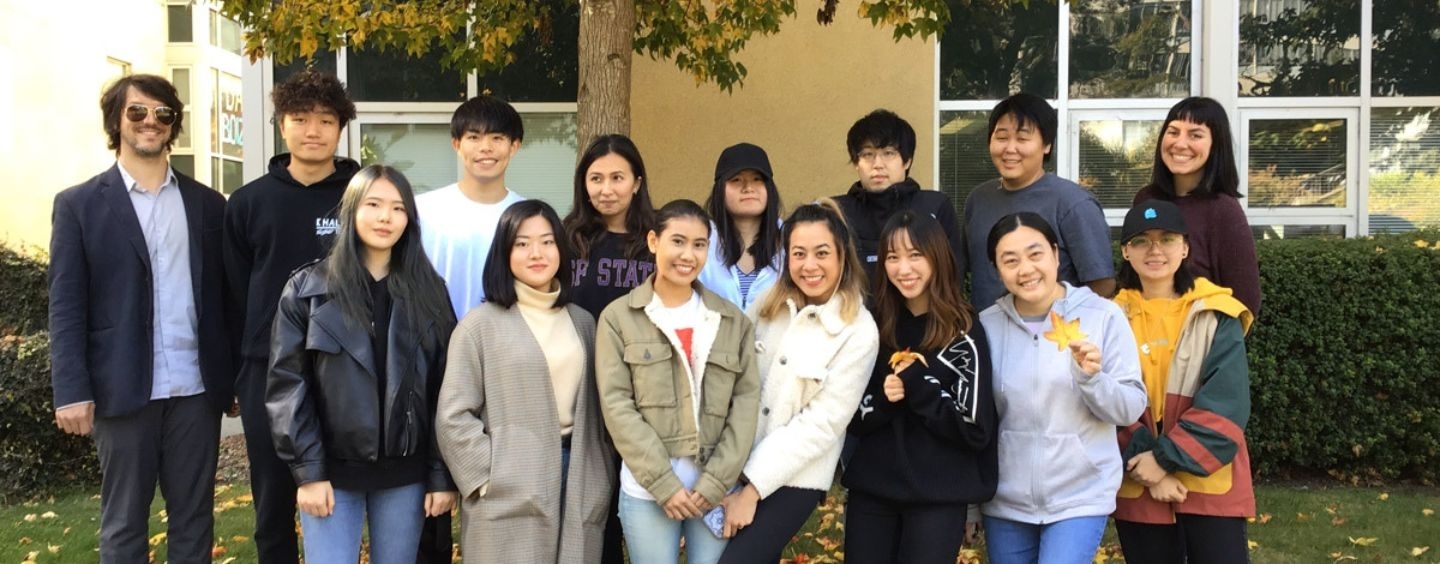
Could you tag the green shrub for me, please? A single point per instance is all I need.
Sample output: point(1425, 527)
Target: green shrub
point(23, 293)
point(35, 457)
point(1345, 367)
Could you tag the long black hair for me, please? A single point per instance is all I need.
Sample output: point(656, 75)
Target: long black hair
point(1220, 175)
point(411, 277)
point(767, 240)
point(499, 281)
point(585, 224)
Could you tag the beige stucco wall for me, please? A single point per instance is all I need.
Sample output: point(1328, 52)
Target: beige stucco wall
point(54, 55)
point(806, 86)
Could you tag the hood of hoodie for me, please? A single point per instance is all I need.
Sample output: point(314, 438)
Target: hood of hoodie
point(345, 168)
point(884, 200)
point(1209, 296)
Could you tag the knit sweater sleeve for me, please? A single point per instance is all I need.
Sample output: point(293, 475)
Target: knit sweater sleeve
point(1209, 433)
point(1232, 249)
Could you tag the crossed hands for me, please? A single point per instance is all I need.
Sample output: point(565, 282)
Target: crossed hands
point(686, 504)
point(740, 509)
point(1163, 486)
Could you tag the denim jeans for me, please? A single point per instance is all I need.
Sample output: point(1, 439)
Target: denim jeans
point(398, 512)
point(653, 538)
point(1072, 541)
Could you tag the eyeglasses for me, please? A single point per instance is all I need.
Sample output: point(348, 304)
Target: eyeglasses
point(1166, 241)
point(871, 155)
point(163, 114)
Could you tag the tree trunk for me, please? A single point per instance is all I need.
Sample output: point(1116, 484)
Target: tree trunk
point(607, 35)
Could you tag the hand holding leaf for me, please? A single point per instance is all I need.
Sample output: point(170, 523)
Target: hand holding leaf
point(1062, 332)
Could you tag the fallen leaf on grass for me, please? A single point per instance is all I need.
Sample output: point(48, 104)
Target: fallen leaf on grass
point(1384, 496)
point(1252, 545)
point(1427, 512)
point(31, 517)
point(1363, 541)
point(48, 515)
point(1337, 521)
point(240, 538)
point(1262, 519)
point(53, 548)
point(30, 558)
point(1302, 517)
point(157, 539)
point(1417, 551)
point(1338, 556)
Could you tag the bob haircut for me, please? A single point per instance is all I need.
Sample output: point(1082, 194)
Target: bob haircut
point(851, 288)
point(584, 223)
point(1010, 223)
point(767, 241)
point(411, 276)
point(487, 114)
point(309, 88)
point(1220, 175)
point(112, 105)
point(950, 315)
point(879, 129)
point(499, 281)
point(1031, 110)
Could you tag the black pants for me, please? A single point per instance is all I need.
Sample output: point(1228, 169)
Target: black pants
point(1197, 539)
point(175, 442)
point(882, 531)
point(271, 483)
point(777, 519)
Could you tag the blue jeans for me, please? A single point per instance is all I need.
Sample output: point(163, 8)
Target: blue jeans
point(653, 538)
point(399, 512)
point(1072, 541)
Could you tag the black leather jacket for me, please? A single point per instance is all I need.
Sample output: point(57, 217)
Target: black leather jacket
point(321, 389)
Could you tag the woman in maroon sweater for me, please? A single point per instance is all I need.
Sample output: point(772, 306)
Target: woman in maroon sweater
point(1195, 169)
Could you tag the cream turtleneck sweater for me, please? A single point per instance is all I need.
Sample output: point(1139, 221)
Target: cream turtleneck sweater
point(564, 353)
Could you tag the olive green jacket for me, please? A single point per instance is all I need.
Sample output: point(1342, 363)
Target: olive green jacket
point(645, 392)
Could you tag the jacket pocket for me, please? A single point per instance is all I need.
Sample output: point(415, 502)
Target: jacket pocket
point(1071, 476)
point(514, 489)
point(651, 373)
point(721, 371)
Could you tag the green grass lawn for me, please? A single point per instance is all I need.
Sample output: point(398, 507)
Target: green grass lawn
point(1296, 524)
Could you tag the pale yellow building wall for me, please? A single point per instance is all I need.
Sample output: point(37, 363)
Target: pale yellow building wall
point(806, 86)
point(54, 56)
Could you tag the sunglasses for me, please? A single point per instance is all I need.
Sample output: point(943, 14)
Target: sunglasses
point(163, 114)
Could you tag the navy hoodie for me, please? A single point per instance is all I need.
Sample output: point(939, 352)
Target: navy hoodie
point(274, 225)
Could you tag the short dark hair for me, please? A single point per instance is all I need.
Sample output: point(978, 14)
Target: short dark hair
point(1220, 175)
point(1014, 222)
point(498, 280)
point(309, 88)
point(487, 114)
point(677, 209)
point(1028, 109)
point(112, 105)
point(879, 129)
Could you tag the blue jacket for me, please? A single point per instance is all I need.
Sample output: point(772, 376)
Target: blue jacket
point(725, 281)
point(1058, 455)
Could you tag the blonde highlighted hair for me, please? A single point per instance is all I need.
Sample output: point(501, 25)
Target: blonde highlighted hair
point(851, 288)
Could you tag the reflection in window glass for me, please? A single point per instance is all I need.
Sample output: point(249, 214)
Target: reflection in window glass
point(1297, 162)
point(1298, 231)
point(1404, 169)
point(181, 79)
point(394, 76)
point(181, 26)
point(1405, 44)
point(993, 49)
point(183, 164)
point(1300, 48)
point(226, 175)
point(964, 153)
point(544, 169)
point(1130, 48)
point(225, 33)
point(419, 151)
point(1116, 158)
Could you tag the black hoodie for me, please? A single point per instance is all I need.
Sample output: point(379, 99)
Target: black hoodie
point(274, 225)
point(867, 212)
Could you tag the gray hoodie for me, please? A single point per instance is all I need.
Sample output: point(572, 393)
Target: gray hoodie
point(1059, 457)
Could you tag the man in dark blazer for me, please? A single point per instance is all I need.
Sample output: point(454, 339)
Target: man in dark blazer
point(139, 354)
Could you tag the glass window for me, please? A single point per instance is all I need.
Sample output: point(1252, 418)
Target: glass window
point(393, 76)
point(226, 175)
point(542, 169)
point(1116, 158)
point(1404, 169)
point(964, 153)
point(323, 62)
point(1297, 162)
point(1130, 48)
point(227, 134)
point(1298, 231)
point(225, 33)
point(183, 164)
point(993, 49)
point(180, 23)
point(181, 79)
point(546, 66)
point(1299, 48)
point(1405, 44)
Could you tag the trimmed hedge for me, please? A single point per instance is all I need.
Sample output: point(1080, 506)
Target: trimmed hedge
point(24, 292)
point(1345, 358)
point(36, 458)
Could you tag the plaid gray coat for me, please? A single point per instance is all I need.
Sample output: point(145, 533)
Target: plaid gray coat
point(499, 433)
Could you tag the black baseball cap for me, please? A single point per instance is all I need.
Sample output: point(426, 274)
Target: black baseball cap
point(742, 156)
point(1152, 214)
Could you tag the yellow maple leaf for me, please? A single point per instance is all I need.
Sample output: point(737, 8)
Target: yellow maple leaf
point(157, 539)
point(1384, 496)
point(907, 354)
point(1417, 551)
point(53, 548)
point(1427, 512)
point(1421, 243)
point(1062, 332)
point(48, 515)
point(1363, 541)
